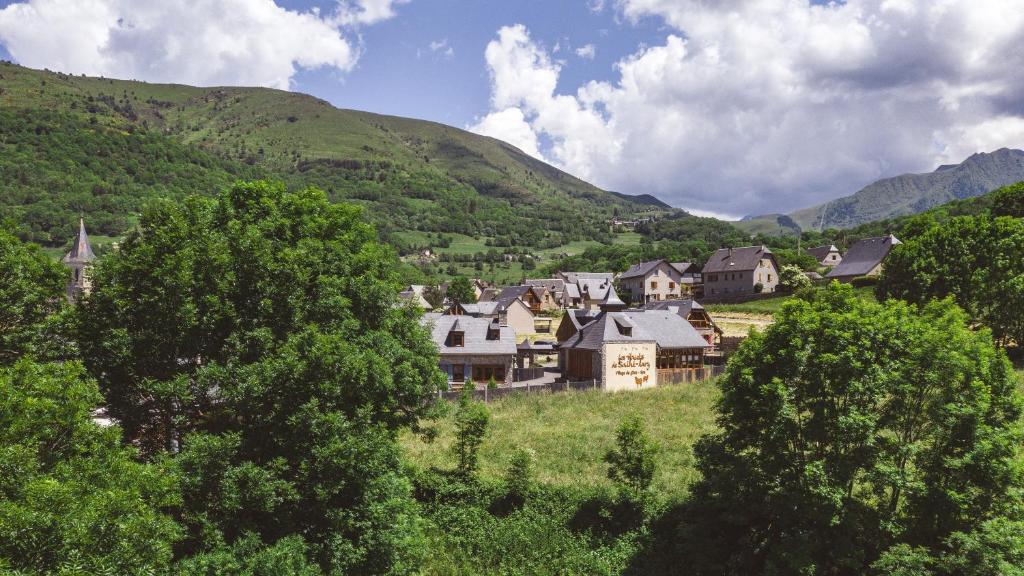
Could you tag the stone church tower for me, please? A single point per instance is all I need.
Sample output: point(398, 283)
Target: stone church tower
point(79, 260)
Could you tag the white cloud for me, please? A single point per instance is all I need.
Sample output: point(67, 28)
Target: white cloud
point(366, 11)
point(443, 48)
point(587, 51)
point(228, 42)
point(510, 125)
point(758, 106)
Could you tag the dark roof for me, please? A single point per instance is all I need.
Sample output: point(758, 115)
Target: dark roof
point(641, 269)
point(863, 256)
point(681, 306)
point(737, 259)
point(686, 267)
point(511, 293)
point(666, 329)
point(475, 330)
point(81, 250)
point(552, 284)
point(612, 301)
point(819, 252)
point(577, 277)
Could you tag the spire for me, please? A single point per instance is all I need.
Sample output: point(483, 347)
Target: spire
point(81, 250)
point(611, 302)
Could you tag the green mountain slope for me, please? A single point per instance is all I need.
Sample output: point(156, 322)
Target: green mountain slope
point(409, 174)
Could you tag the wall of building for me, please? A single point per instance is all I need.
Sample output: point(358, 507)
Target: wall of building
point(629, 366)
point(668, 281)
point(519, 317)
point(742, 281)
point(468, 361)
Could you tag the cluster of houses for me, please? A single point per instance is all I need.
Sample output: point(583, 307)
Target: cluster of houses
point(631, 330)
point(637, 329)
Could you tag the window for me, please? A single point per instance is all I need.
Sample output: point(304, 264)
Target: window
point(484, 373)
point(458, 339)
point(654, 285)
point(769, 277)
point(458, 372)
point(671, 286)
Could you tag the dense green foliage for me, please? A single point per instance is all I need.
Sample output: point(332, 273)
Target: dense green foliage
point(852, 431)
point(631, 463)
point(409, 174)
point(258, 333)
point(55, 167)
point(460, 291)
point(31, 290)
point(977, 260)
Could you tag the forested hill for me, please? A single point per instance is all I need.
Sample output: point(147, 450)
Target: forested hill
point(409, 174)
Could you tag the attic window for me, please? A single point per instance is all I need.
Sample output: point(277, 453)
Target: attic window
point(457, 339)
point(493, 332)
point(624, 329)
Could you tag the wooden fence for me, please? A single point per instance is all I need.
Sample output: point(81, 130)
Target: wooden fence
point(485, 394)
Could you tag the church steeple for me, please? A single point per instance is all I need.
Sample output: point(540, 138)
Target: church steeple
point(78, 260)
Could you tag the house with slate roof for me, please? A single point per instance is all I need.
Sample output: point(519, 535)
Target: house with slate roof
point(694, 313)
point(628, 349)
point(572, 321)
point(864, 258)
point(473, 348)
point(414, 294)
point(739, 271)
point(653, 280)
point(826, 255)
point(79, 260)
point(556, 292)
point(690, 279)
point(511, 312)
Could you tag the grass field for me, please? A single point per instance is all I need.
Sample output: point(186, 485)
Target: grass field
point(571, 431)
point(773, 305)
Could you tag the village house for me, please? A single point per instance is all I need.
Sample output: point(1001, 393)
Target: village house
point(414, 294)
point(536, 298)
point(653, 280)
point(572, 321)
point(740, 271)
point(556, 288)
point(511, 312)
point(826, 255)
point(864, 258)
point(79, 261)
point(473, 348)
point(694, 313)
point(624, 349)
point(690, 278)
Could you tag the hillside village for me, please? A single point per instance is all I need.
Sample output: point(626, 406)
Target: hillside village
point(613, 331)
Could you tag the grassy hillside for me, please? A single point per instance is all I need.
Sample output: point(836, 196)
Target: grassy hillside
point(410, 174)
point(570, 432)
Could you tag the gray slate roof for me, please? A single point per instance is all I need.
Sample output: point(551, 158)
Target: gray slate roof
point(596, 288)
point(667, 329)
point(482, 308)
point(572, 291)
point(641, 269)
point(552, 284)
point(510, 294)
point(81, 250)
point(686, 267)
point(863, 256)
point(740, 260)
point(819, 252)
point(576, 277)
point(475, 330)
point(681, 306)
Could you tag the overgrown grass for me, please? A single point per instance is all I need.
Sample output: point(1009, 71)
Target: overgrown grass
point(570, 433)
point(773, 305)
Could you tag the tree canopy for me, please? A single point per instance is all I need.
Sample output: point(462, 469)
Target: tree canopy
point(852, 431)
point(259, 334)
point(31, 290)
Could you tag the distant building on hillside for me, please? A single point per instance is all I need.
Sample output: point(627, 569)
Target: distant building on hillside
point(739, 271)
point(79, 261)
point(864, 258)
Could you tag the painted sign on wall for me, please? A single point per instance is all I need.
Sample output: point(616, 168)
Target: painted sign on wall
point(630, 366)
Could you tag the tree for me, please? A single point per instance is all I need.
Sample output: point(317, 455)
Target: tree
point(792, 278)
point(849, 428)
point(73, 499)
point(519, 479)
point(460, 291)
point(432, 294)
point(471, 421)
point(1009, 201)
point(631, 463)
point(976, 260)
point(31, 291)
point(257, 333)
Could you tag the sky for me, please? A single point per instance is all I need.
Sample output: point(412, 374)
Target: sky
point(726, 108)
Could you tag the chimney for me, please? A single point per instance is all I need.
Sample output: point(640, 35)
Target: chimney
point(730, 253)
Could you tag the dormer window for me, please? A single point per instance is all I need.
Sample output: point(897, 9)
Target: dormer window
point(456, 339)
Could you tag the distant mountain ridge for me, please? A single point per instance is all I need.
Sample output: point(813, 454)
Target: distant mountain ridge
point(905, 194)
